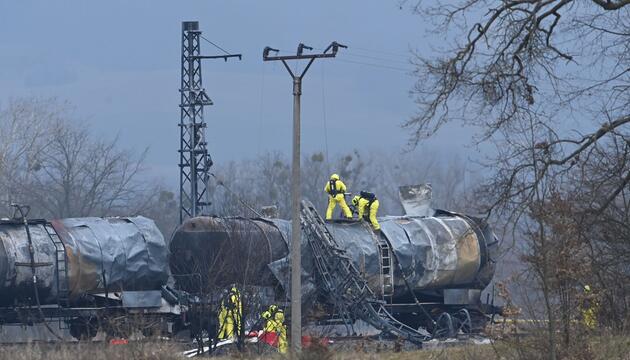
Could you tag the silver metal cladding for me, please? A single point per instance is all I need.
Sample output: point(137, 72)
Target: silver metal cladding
point(102, 254)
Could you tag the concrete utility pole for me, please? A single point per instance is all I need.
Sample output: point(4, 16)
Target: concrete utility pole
point(296, 233)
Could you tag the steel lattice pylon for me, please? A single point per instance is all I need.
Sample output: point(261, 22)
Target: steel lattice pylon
point(195, 162)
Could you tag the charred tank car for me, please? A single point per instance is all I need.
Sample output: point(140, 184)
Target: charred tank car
point(97, 256)
point(440, 259)
point(83, 270)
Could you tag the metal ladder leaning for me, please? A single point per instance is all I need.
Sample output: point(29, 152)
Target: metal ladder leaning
point(61, 266)
point(344, 284)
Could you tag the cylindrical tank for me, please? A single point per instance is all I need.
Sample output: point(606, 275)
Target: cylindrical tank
point(112, 254)
point(443, 251)
point(218, 251)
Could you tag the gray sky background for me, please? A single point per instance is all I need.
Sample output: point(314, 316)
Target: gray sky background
point(118, 63)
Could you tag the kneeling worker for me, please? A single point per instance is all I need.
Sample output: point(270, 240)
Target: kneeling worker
point(335, 189)
point(367, 207)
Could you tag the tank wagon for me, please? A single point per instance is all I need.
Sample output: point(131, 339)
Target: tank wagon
point(86, 272)
point(430, 269)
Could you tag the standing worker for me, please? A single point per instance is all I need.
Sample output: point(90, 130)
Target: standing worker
point(589, 308)
point(269, 315)
point(336, 189)
point(281, 330)
point(269, 331)
point(230, 314)
point(367, 207)
point(275, 332)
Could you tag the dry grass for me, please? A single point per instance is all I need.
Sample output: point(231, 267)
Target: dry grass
point(91, 351)
point(599, 348)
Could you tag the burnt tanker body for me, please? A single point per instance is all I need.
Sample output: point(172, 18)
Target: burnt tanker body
point(98, 255)
point(90, 273)
point(444, 259)
point(72, 258)
point(58, 265)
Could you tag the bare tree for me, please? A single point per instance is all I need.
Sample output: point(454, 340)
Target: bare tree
point(522, 61)
point(547, 82)
point(245, 186)
point(265, 180)
point(57, 167)
point(314, 176)
point(160, 205)
point(24, 128)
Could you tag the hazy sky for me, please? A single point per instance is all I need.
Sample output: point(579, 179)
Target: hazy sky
point(118, 63)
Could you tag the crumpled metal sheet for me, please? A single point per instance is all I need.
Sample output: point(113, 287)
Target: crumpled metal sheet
point(113, 253)
point(122, 253)
point(281, 268)
point(416, 199)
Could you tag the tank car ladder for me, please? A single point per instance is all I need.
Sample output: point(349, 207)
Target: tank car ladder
point(387, 270)
point(345, 285)
point(61, 266)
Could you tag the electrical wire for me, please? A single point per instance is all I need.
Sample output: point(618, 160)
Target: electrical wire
point(215, 45)
point(385, 56)
point(377, 65)
point(261, 109)
point(389, 53)
point(369, 57)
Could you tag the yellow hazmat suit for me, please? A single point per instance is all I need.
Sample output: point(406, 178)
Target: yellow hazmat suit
point(335, 189)
point(230, 315)
point(270, 322)
point(589, 308)
point(367, 210)
point(275, 325)
point(281, 330)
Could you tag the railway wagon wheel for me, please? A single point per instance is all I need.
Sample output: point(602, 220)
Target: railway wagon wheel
point(444, 327)
point(464, 321)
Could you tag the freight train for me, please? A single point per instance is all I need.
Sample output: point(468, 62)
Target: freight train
point(119, 275)
point(428, 267)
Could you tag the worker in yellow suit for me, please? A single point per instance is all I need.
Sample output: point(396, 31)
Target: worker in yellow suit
point(275, 332)
point(281, 330)
point(589, 308)
point(367, 206)
point(270, 322)
point(230, 314)
point(335, 188)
